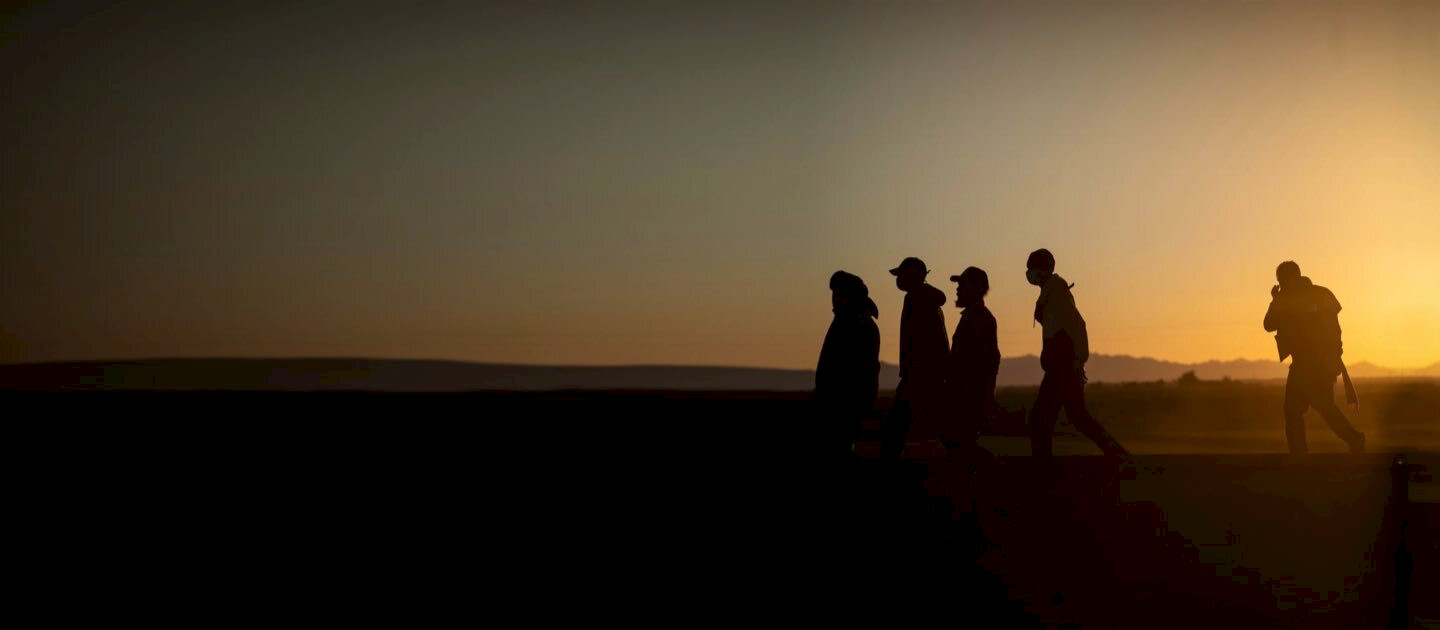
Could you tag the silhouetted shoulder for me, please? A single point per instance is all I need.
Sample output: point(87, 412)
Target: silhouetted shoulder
point(1326, 298)
point(930, 296)
point(983, 314)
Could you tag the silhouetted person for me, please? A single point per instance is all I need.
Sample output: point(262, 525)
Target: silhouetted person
point(924, 356)
point(1063, 354)
point(1306, 323)
point(848, 375)
point(974, 354)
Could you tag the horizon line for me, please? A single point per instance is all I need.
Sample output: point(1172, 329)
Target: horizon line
point(613, 365)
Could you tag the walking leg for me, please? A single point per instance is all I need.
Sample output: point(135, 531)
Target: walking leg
point(1322, 398)
point(897, 426)
point(1085, 423)
point(1296, 402)
point(1042, 421)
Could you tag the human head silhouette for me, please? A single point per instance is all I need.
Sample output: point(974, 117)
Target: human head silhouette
point(1288, 275)
point(910, 275)
point(971, 286)
point(845, 287)
point(848, 294)
point(1039, 266)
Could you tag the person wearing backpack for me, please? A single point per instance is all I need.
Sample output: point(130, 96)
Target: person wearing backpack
point(1305, 319)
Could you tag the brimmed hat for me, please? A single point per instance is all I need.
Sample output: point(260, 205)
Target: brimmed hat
point(972, 274)
point(975, 276)
point(908, 265)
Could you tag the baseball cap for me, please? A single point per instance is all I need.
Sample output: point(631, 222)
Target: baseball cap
point(972, 273)
point(910, 264)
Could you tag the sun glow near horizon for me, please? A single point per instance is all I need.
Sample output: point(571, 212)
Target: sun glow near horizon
point(663, 185)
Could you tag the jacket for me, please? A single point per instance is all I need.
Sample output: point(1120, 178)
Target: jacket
point(1065, 340)
point(1306, 324)
point(975, 348)
point(849, 366)
point(924, 348)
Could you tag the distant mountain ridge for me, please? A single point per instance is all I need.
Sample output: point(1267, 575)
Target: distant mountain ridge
point(330, 374)
point(1025, 370)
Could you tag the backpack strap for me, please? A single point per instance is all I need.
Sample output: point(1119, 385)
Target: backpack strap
point(1350, 396)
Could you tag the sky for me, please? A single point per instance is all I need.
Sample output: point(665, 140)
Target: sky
point(674, 183)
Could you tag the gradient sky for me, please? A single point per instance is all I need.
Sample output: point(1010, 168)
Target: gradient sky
point(658, 183)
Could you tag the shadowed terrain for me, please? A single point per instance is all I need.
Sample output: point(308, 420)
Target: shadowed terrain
point(361, 486)
point(451, 376)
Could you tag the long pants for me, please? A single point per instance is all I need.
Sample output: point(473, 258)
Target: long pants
point(837, 423)
point(896, 427)
point(1065, 389)
point(971, 403)
point(913, 401)
point(1313, 387)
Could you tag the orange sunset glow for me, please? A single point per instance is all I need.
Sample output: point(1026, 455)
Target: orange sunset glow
point(675, 185)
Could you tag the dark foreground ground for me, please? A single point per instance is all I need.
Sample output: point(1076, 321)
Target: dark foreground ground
point(632, 506)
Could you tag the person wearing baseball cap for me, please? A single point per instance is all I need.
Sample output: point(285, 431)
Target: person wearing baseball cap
point(924, 357)
point(1064, 351)
point(847, 377)
point(974, 355)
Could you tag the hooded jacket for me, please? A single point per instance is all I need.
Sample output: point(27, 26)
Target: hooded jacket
point(1306, 325)
point(1065, 340)
point(924, 348)
point(849, 367)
